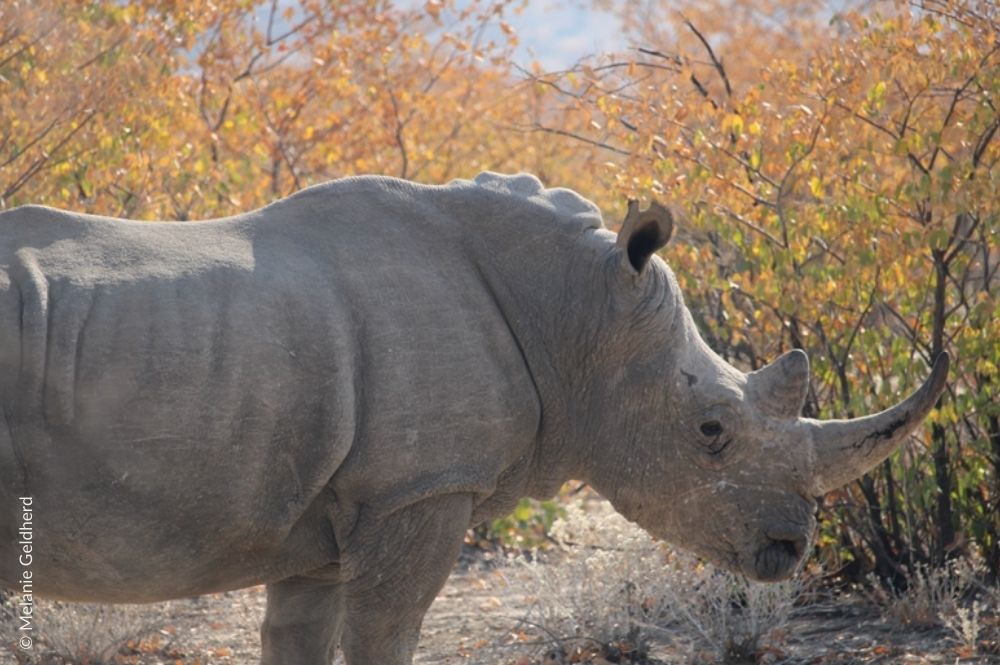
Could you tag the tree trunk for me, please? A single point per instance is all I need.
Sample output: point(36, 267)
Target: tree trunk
point(942, 463)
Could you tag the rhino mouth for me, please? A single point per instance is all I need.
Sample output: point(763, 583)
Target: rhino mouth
point(779, 557)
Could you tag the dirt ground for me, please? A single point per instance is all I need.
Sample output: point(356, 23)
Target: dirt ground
point(482, 605)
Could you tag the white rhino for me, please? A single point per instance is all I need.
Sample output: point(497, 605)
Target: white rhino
point(324, 394)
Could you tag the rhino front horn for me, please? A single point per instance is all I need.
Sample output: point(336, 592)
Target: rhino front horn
point(848, 449)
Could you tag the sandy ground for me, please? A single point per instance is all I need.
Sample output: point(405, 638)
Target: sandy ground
point(481, 607)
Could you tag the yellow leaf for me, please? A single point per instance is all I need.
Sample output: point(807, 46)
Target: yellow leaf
point(733, 123)
point(816, 187)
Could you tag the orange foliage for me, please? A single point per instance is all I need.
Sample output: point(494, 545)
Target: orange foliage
point(840, 173)
point(206, 108)
point(839, 170)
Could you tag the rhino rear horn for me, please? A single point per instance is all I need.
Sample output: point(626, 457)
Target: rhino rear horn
point(645, 232)
point(848, 449)
point(779, 388)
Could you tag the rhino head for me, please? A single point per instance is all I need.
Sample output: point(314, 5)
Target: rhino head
point(711, 458)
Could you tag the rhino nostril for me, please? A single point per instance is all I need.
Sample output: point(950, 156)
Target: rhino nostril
point(792, 547)
point(779, 557)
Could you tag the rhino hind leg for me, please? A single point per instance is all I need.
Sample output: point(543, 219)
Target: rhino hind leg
point(407, 560)
point(303, 622)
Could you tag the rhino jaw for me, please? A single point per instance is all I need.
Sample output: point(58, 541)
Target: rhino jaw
point(848, 449)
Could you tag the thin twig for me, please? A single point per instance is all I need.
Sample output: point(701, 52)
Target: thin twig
point(562, 132)
point(716, 62)
point(735, 216)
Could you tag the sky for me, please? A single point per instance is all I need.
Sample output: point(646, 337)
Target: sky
point(556, 33)
point(559, 32)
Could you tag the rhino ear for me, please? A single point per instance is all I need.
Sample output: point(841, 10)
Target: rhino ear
point(644, 232)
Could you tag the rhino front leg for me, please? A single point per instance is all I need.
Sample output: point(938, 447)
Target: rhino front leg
point(408, 557)
point(303, 622)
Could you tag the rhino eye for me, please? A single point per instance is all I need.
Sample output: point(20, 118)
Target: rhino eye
point(711, 428)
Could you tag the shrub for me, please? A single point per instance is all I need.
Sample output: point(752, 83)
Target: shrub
point(527, 526)
point(930, 594)
point(610, 590)
point(77, 633)
point(737, 620)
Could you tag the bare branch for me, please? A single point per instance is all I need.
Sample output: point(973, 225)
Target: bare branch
point(951, 112)
point(293, 30)
point(583, 139)
point(983, 143)
point(270, 20)
point(248, 70)
point(735, 216)
point(716, 62)
point(41, 135)
point(704, 91)
point(782, 186)
point(923, 5)
point(861, 319)
point(118, 42)
point(635, 63)
point(398, 134)
point(676, 59)
point(46, 157)
point(45, 33)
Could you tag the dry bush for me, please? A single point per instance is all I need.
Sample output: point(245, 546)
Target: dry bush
point(931, 594)
point(965, 625)
point(605, 583)
point(977, 612)
point(610, 590)
point(955, 597)
point(79, 633)
point(737, 620)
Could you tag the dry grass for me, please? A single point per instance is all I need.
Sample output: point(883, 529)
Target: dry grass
point(610, 591)
point(78, 633)
point(954, 597)
point(932, 595)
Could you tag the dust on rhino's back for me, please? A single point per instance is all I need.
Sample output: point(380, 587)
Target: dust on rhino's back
point(196, 386)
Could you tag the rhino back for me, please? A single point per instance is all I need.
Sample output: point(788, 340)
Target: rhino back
point(224, 391)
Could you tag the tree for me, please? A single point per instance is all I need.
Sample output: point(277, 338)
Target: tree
point(200, 109)
point(842, 186)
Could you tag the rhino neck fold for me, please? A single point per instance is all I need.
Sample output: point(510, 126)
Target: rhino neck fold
point(546, 290)
point(633, 380)
point(582, 326)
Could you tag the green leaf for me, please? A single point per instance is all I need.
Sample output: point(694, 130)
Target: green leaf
point(938, 239)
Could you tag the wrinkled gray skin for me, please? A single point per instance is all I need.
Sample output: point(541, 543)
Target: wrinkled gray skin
point(324, 394)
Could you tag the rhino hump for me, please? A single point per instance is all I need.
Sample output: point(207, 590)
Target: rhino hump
point(565, 203)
